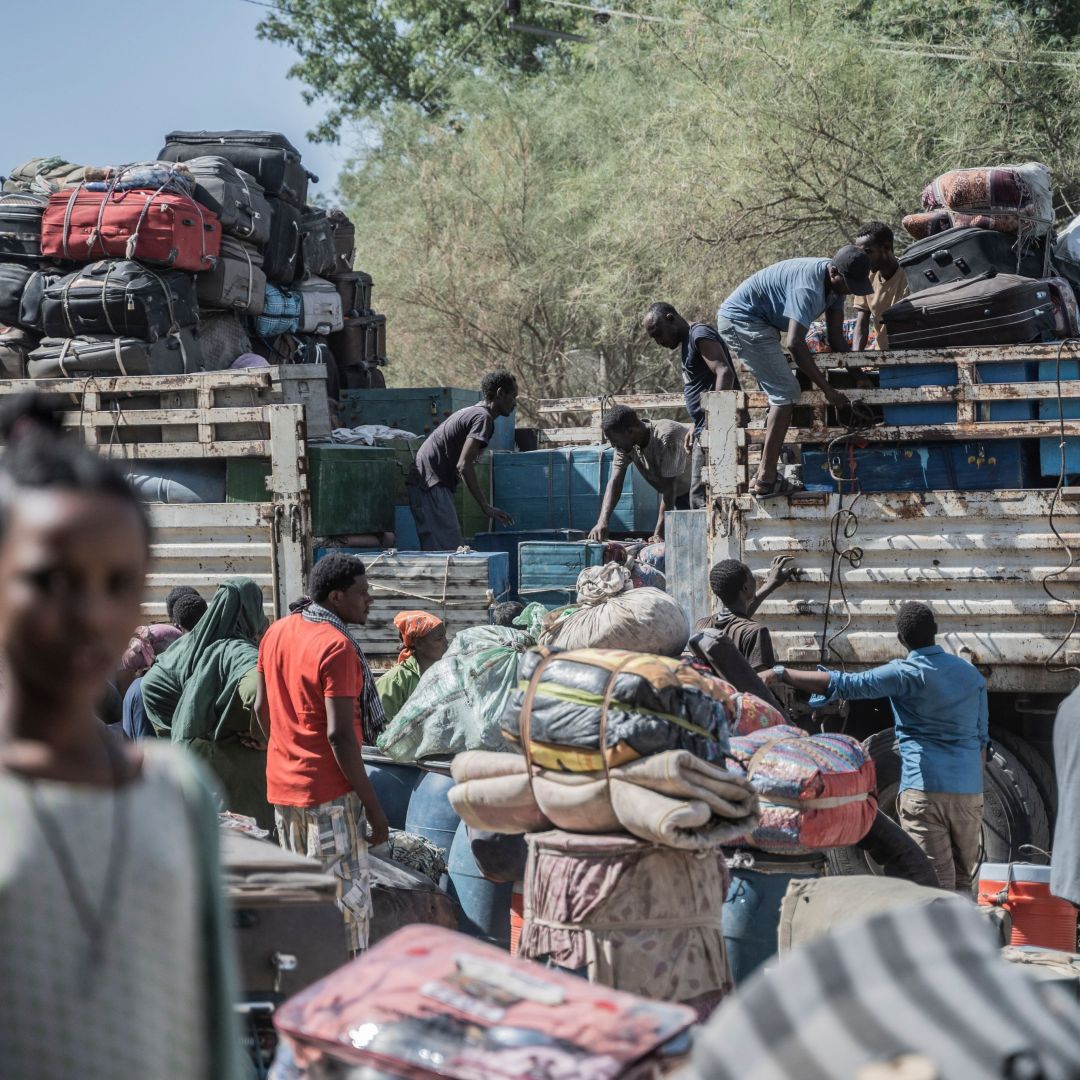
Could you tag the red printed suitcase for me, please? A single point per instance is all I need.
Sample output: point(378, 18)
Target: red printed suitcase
point(159, 228)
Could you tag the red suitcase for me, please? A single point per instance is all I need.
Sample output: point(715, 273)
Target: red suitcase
point(159, 228)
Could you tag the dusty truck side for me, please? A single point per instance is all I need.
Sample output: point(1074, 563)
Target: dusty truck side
point(997, 566)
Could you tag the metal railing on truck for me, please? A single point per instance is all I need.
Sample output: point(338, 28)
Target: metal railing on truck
point(997, 566)
point(211, 416)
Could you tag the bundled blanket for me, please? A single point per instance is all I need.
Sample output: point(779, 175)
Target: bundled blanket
point(643, 704)
point(817, 791)
point(671, 798)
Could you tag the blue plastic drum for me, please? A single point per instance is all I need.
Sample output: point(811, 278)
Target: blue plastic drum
point(393, 784)
point(752, 919)
point(483, 906)
point(430, 813)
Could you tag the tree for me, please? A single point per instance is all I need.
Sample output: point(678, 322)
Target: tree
point(362, 56)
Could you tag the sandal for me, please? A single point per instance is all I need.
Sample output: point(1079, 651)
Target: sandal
point(780, 486)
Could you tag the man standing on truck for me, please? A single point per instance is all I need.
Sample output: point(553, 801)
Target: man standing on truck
point(448, 456)
point(888, 278)
point(706, 366)
point(316, 699)
point(942, 725)
point(786, 298)
point(659, 450)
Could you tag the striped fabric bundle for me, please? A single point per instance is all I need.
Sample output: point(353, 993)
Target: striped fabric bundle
point(816, 791)
point(915, 991)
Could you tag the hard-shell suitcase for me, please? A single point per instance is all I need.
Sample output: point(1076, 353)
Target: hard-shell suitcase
point(281, 259)
point(354, 288)
point(967, 253)
point(58, 358)
point(237, 282)
point(318, 254)
point(344, 241)
point(320, 311)
point(266, 155)
point(159, 228)
point(13, 280)
point(280, 314)
point(119, 298)
point(992, 309)
point(20, 226)
point(15, 346)
point(236, 197)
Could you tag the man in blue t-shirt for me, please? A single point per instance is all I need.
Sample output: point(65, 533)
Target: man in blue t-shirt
point(706, 366)
point(786, 298)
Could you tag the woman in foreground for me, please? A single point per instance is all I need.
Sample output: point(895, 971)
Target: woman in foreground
point(112, 934)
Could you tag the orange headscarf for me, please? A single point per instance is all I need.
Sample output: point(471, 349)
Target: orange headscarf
point(413, 625)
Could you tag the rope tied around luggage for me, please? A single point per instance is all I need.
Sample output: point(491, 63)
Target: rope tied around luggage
point(392, 591)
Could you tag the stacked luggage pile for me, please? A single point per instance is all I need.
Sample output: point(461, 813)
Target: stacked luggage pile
point(181, 264)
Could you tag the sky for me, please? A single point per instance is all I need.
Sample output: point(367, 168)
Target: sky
point(100, 83)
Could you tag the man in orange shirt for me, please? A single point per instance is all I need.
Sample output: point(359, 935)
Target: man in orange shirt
point(317, 701)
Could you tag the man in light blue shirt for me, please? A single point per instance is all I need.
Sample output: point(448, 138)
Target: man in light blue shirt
point(786, 298)
point(942, 725)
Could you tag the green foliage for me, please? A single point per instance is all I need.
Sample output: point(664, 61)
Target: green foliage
point(666, 161)
point(363, 55)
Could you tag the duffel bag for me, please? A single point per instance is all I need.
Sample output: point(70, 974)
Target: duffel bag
point(281, 259)
point(266, 155)
point(816, 791)
point(13, 281)
point(237, 282)
point(148, 175)
point(354, 288)
point(318, 254)
point(344, 233)
point(15, 346)
point(20, 226)
point(160, 228)
point(992, 309)
point(57, 358)
point(223, 336)
point(967, 253)
point(33, 293)
point(280, 314)
point(119, 298)
point(235, 197)
point(641, 704)
point(44, 175)
point(320, 311)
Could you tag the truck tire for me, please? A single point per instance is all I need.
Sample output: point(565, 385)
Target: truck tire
point(1006, 816)
point(888, 851)
point(1024, 782)
point(1040, 770)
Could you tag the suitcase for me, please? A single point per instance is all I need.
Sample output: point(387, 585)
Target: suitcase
point(357, 348)
point(966, 253)
point(15, 346)
point(223, 336)
point(237, 282)
point(318, 254)
point(119, 298)
point(235, 197)
point(266, 155)
point(320, 310)
point(281, 260)
point(58, 358)
point(992, 309)
point(29, 311)
point(287, 929)
point(280, 315)
point(344, 233)
point(158, 228)
point(20, 226)
point(13, 281)
point(354, 288)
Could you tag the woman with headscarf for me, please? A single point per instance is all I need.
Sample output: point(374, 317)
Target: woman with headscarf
point(423, 641)
point(201, 694)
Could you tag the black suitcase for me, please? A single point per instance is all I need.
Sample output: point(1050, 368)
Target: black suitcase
point(993, 309)
point(266, 155)
point(359, 347)
point(344, 241)
point(318, 254)
point(61, 358)
point(237, 282)
point(354, 288)
point(966, 253)
point(236, 197)
point(29, 313)
point(20, 226)
point(13, 281)
point(119, 298)
point(281, 260)
point(16, 345)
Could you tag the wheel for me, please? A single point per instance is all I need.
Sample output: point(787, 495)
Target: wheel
point(1040, 770)
point(887, 850)
point(1006, 816)
point(1038, 819)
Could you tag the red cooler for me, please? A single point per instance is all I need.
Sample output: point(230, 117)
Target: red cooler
point(1023, 889)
